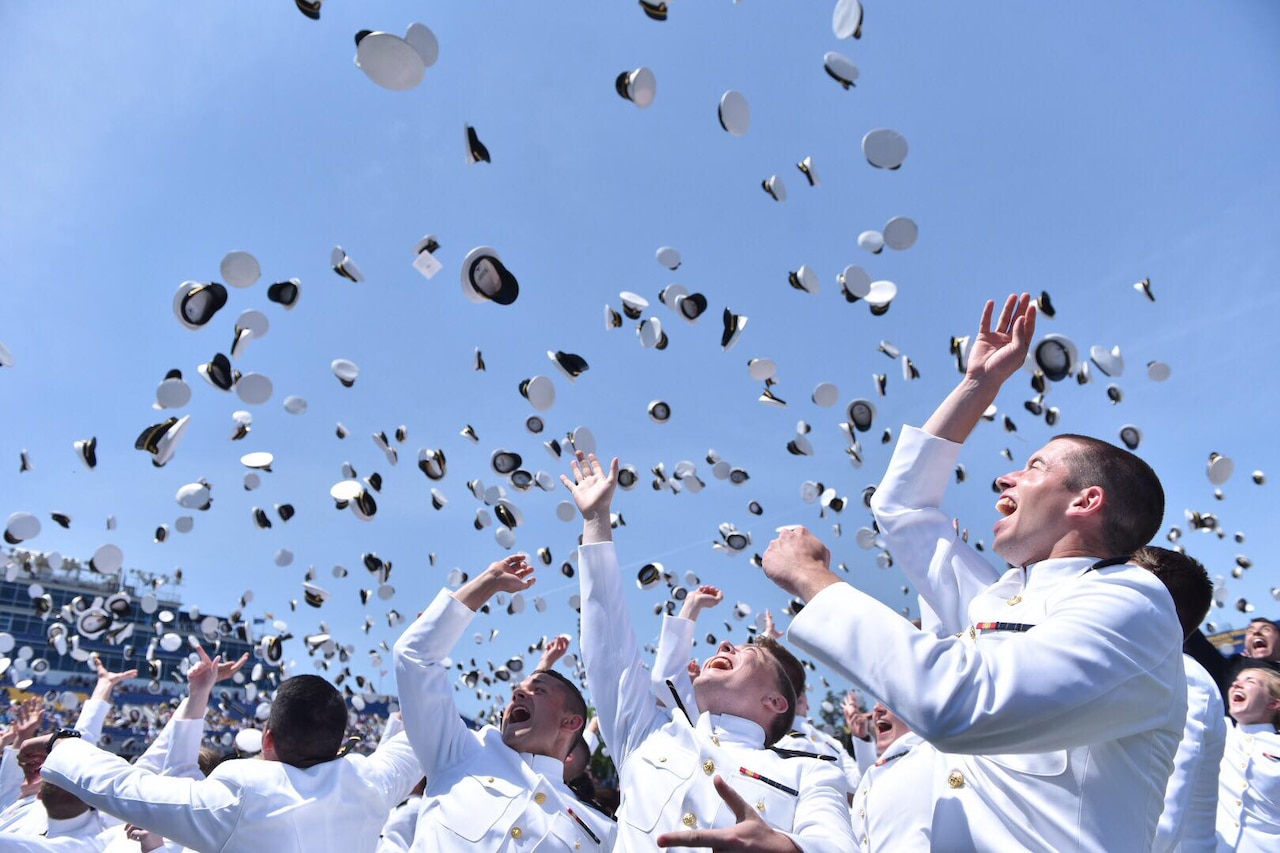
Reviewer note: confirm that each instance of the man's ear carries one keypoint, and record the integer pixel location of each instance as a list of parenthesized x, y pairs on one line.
[(269, 745), (572, 723), (1089, 501), (775, 702)]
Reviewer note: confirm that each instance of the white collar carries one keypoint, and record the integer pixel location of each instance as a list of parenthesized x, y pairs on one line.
[(727, 728), (552, 769), (71, 826)]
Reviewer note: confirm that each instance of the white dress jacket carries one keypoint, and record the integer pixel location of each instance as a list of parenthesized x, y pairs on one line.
[(481, 794), (1056, 734), (247, 805), (666, 762)]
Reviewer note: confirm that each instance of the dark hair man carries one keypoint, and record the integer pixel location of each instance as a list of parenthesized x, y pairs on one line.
[(487, 787), (303, 798), (1059, 703), (694, 779)]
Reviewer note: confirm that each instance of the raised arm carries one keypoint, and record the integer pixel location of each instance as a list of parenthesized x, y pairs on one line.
[(94, 712), (199, 815), (997, 353), (554, 649), (673, 660), (176, 750), (1108, 643), (616, 677), (436, 731)]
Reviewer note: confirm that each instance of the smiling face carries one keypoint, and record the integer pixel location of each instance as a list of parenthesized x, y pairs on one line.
[(888, 727), (745, 681), (538, 719), (1254, 697), (1262, 641), (1033, 506)]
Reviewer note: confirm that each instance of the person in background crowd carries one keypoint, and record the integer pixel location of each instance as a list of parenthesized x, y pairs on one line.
[(1249, 777), (1191, 797)]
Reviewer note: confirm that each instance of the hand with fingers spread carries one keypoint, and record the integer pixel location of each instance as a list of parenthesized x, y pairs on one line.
[(592, 487), (553, 650), (28, 715), (750, 833), (700, 599), (858, 723), (202, 676), (510, 574), (107, 681), (998, 351)]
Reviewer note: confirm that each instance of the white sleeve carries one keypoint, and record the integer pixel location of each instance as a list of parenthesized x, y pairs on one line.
[(431, 719), (675, 645), (616, 676), (10, 778), (921, 539), (864, 752), (153, 759), (393, 769), (1191, 798), (93, 713), (822, 821), (195, 814), (1109, 638), (398, 831), (395, 725), (592, 739)]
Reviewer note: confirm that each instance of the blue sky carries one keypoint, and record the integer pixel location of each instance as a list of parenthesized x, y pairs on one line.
[(1070, 148)]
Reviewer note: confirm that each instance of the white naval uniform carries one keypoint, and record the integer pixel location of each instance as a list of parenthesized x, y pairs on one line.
[(666, 762), (1060, 737), (675, 645), (397, 832), (26, 815), (1191, 799), (249, 805), (174, 752), (80, 834), (893, 805), (1249, 790), (481, 794)]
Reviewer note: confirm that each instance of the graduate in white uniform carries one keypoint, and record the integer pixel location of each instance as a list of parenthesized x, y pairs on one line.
[(1191, 797), (1249, 778), (894, 800), (694, 780), (1058, 705), (301, 797), (675, 644), (498, 788), (24, 815)]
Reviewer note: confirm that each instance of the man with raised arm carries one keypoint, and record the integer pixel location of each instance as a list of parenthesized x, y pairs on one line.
[(1059, 704), (302, 798), (498, 789), (692, 779)]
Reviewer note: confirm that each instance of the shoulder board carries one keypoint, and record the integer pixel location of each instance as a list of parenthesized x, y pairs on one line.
[(797, 753), (586, 801)]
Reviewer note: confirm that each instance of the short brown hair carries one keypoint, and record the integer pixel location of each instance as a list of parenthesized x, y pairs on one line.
[(1133, 491), (573, 703), (784, 664), (1186, 580)]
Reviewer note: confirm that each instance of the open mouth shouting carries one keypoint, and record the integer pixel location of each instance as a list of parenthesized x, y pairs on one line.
[(517, 714), (1006, 505), (721, 662)]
